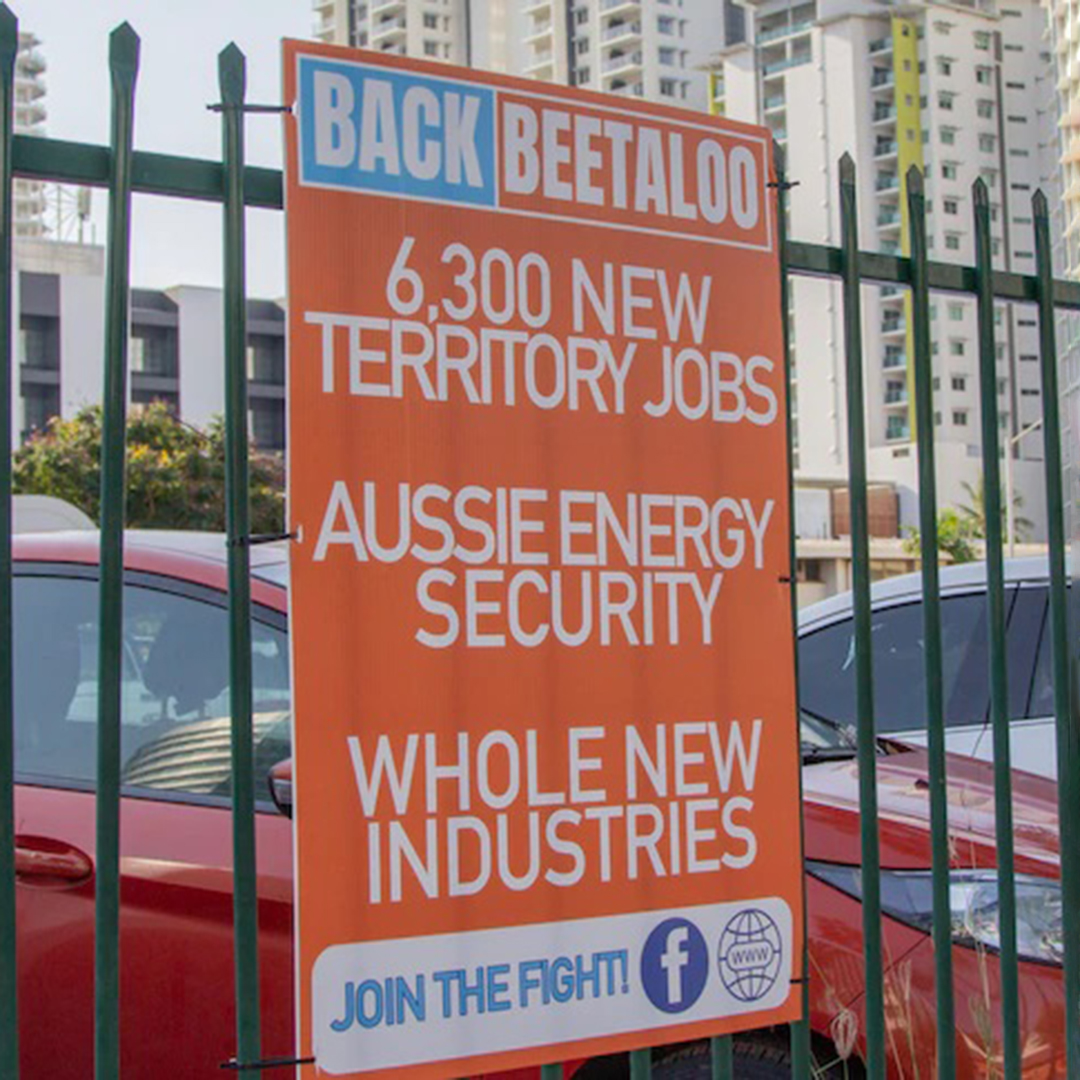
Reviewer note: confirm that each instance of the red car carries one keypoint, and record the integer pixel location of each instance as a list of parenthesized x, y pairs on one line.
[(176, 925)]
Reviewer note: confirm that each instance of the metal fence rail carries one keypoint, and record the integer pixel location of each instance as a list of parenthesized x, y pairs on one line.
[(124, 171)]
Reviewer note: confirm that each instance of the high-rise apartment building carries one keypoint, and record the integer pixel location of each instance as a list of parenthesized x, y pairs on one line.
[(645, 48), (29, 120), (1063, 17), (962, 91), (454, 31)]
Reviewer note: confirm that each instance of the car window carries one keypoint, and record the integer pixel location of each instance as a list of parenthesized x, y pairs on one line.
[(827, 666), (175, 716), (1025, 630), (1041, 702)]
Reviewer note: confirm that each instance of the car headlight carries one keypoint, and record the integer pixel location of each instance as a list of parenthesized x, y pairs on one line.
[(907, 895)]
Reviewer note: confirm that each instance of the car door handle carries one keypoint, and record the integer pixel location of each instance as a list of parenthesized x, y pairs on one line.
[(42, 860)]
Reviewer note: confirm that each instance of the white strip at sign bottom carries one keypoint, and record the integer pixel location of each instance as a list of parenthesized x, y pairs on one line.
[(409, 1001)]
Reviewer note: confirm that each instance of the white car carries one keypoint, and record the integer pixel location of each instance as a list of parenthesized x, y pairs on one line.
[(827, 662)]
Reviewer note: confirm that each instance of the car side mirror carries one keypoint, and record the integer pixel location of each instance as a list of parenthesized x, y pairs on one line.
[(280, 780)]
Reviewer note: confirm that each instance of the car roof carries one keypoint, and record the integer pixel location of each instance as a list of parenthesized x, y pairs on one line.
[(909, 586), (200, 556)]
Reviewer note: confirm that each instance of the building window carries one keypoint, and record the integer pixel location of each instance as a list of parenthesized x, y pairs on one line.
[(948, 136), (956, 347), (948, 170), (169, 398), (950, 206), (40, 403), (959, 417), (983, 75), (431, 21), (431, 48), (956, 311), (668, 55), (959, 383), (945, 100), (581, 15), (581, 76), (952, 242), (582, 46), (985, 108), (39, 342), (153, 350), (667, 87), (944, 65), (266, 359), (987, 143), (982, 40), (268, 423), (666, 24)]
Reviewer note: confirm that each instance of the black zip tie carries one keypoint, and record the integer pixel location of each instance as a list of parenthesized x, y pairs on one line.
[(222, 107), (261, 538), (785, 185), (232, 1065)]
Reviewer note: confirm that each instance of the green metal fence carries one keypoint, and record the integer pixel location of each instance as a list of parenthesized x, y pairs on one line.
[(124, 171)]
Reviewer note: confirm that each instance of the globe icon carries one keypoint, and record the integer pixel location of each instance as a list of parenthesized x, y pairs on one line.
[(750, 954)]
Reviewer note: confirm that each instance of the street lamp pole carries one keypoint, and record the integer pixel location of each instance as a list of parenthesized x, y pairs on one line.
[(1010, 509)]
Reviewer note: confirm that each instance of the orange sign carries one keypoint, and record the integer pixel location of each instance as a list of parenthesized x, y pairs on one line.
[(546, 751)]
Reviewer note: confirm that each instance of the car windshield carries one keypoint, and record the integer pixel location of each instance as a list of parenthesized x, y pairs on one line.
[(819, 733)]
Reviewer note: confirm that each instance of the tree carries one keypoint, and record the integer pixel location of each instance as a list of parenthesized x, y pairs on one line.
[(955, 538), (974, 513), (175, 472)]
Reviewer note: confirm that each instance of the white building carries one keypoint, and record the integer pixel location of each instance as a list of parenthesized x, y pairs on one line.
[(1063, 17), (646, 48), (176, 352), (962, 91), (29, 120), (432, 29)]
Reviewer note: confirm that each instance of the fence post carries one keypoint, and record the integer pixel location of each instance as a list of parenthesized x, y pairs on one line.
[(922, 365), (232, 78), (864, 675), (799, 1030), (1068, 745), (123, 67), (9, 1013), (995, 598)]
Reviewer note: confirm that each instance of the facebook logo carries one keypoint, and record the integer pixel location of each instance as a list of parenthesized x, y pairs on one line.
[(674, 965)]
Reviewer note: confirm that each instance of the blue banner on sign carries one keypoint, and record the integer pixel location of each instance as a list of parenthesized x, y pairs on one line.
[(374, 129)]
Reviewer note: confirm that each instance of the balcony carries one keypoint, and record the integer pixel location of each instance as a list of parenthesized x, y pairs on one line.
[(885, 148), (886, 182), (891, 292), (775, 101), (541, 61), (387, 6), (896, 395), (896, 427), (624, 62), (881, 79), (893, 326), (633, 89), (542, 28), (888, 218), (620, 31), (880, 47), (388, 31), (894, 360), (609, 7), (883, 113)]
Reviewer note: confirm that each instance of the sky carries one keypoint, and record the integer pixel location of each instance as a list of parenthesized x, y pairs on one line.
[(173, 241)]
